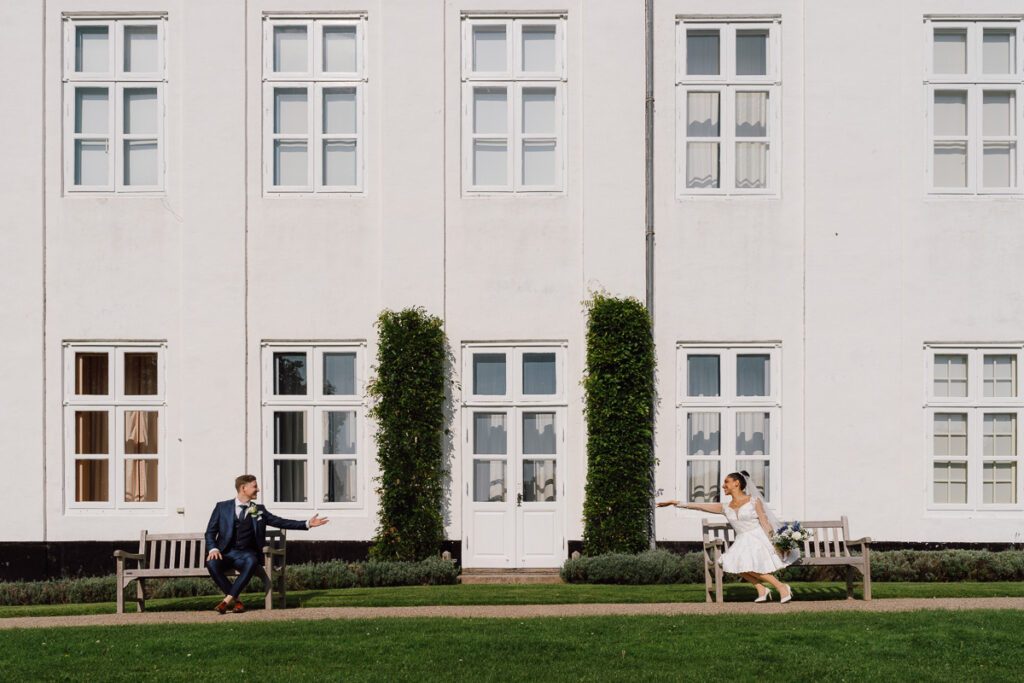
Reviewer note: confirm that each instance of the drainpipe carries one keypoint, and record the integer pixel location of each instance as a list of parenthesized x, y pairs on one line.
[(649, 205)]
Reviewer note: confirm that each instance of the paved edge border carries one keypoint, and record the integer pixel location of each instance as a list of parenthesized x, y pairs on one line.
[(514, 611)]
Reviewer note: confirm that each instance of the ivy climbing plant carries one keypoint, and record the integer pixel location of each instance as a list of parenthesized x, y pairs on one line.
[(619, 392)]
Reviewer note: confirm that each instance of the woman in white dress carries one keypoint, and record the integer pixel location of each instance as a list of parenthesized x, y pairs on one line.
[(752, 554)]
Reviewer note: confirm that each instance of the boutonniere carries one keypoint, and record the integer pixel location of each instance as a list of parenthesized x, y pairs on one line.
[(254, 511)]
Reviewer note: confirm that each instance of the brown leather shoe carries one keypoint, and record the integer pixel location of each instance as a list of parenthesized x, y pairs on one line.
[(222, 607), (239, 607)]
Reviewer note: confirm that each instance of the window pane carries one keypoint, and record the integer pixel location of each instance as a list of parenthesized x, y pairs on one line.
[(339, 374), (341, 163), (91, 374), (92, 483), (141, 163), (489, 374), (753, 433), (539, 163), (340, 481), (290, 481), (950, 483), (702, 481), (92, 49), (140, 374), (950, 434), (289, 374), (951, 164), (950, 112), (999, 483), (141, 432), (490, 434), (998, 51), (141, 114), (489, 49), (1000, 164), (702, 164), (950, 375), (140, 480), (141, 49), (90, 163), (539, 111), (751, 53), (340, 49), (340, 111), (998, 112), (490, 111), (753, 374), (290, 50), (702, 53), (539, 373), (1000, 375), (490, 163), (704, 434), (91, 113), (1000, 435), (539, 485), (751, 114), (91, 436), (702, 375), (290, 432), (702, 115), (489, 481), (752, 165), (950, 51), (539, 49), (291, 114), (760, 471), (539, 434), (339, 432), (291, 166)]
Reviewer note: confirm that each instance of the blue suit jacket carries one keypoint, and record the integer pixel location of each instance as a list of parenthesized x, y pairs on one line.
[(220, 532)]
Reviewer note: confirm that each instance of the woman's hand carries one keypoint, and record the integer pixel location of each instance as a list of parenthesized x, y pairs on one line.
[(668, 503)]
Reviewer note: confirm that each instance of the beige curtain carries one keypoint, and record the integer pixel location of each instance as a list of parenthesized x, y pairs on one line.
[(141, 437), (91, 483), (91, 374)]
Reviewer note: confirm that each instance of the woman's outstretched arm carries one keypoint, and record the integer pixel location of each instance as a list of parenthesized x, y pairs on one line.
[(714, 508)]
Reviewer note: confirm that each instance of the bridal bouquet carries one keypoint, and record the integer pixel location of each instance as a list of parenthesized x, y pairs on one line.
[(789, 536)]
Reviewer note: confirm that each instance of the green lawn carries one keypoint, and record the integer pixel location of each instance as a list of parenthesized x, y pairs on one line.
[(914, 646), (539, 594)]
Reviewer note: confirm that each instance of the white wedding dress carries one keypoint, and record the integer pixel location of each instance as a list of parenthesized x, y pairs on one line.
[(752, 551)]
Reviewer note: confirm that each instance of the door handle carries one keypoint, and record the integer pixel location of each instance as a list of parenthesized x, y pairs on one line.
[(519, 500)]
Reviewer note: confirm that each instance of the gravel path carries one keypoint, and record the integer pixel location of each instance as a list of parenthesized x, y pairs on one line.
[(514, 611)]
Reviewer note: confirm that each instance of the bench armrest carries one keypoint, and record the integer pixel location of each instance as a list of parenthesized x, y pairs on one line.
[(125, 555), (860, 541), (714, 543), (267, 550)]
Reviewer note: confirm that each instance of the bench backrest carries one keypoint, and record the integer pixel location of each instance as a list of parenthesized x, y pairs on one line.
[(186, 551), (829, 537)]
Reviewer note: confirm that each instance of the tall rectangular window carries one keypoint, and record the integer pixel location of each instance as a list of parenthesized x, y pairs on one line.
[(972, 410), (728, 84), (514, 76), (314, 81), (115, 78), (314, 445), (114, 425), (729, 412), (974, 84)]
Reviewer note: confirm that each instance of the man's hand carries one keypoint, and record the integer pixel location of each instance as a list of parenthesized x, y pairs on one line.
[(214, 555), (317, 520)]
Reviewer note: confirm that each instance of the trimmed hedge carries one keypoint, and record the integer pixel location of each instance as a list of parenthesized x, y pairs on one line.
[(410, 391), (433, 571), (662, 566), (619, 391)]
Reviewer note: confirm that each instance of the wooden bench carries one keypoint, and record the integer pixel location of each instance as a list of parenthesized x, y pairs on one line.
[(174, 556), (830, 546)]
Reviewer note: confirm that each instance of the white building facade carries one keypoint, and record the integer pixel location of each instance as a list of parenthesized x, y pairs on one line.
[(208, 205)]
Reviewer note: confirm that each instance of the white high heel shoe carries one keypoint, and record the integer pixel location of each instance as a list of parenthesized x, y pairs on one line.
[(764, 597), (789, 594)]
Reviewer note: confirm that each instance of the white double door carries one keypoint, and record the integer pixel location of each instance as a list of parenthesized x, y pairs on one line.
[(514, 487)]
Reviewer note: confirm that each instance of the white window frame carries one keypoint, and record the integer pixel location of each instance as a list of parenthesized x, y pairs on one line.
[(975, 406), (514, 352), (975, 83), (514, 80), (727, 84), (727, 404), (115, 404), (116, 80), (315, 403), (315, 80)]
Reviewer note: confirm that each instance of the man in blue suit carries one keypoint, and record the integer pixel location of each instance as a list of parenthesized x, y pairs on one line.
[(235, 538)]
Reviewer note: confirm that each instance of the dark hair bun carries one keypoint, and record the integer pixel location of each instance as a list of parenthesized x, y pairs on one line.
[(745, 473)]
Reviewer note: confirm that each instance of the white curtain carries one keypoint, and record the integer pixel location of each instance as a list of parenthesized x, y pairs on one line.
[(490, 435), (340, 476), (539, 434), (702, 164), (702, 52), (704, 433), (702, 477), (702, 376), (753, 375), (538, 481), (751, 114), (489, 481), (752, 433)]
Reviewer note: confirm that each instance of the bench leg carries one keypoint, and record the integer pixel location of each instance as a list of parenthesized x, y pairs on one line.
[(140, 595), (718, 582), (119, 588), (284, 585), (867, 581), (849, 582)]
